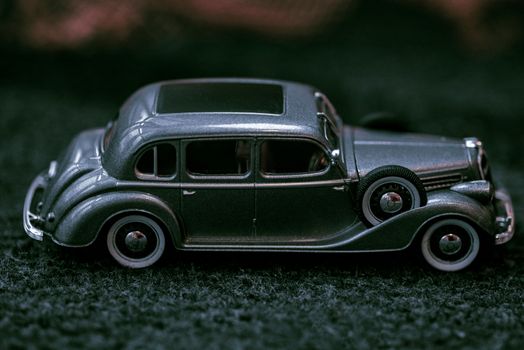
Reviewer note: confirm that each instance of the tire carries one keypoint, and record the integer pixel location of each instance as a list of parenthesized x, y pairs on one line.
[(136, 241), (388, 191), (436, 250)]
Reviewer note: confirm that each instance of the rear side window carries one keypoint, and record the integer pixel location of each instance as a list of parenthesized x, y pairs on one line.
[(157, 162), (218, 157), (291, 157)]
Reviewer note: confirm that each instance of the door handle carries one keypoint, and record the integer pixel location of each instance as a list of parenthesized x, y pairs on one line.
[(339, 188), (188, 192)]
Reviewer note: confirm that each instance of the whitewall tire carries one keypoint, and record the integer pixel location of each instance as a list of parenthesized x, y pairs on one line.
[(450, 245), (136, 241)]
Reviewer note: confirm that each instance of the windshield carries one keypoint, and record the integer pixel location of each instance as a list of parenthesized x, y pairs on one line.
[(328, 115), (331, 135), (325, 107)]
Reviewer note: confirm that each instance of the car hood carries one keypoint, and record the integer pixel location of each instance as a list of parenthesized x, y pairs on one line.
[(426, 155)]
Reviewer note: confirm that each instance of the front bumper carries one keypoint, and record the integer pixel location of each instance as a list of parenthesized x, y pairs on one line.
[(506, 221), (31, 218)]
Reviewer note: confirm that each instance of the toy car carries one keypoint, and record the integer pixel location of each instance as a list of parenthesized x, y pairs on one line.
[(263, 165)]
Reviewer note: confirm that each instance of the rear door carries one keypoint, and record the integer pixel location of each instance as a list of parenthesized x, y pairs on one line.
[(217, 190)]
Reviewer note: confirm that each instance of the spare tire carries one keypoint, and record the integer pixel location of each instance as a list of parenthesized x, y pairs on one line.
[(388, 191)]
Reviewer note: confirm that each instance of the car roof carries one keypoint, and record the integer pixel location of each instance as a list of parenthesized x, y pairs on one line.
[(140, 124), (298, 113)]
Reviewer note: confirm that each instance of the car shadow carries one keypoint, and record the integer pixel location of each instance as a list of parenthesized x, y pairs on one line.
[(380, 263)]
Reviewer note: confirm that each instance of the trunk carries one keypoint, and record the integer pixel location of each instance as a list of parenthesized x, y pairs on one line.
[(81, 157)]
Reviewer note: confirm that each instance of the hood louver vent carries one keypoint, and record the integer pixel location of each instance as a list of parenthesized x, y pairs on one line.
[(443, 181)]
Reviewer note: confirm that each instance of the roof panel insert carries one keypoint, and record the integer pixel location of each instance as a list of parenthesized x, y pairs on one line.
[(221, 97)]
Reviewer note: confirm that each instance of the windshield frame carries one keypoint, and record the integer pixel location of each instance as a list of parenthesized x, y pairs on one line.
[(330, 119)]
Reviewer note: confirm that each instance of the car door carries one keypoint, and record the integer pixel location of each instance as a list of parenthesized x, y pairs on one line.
[(301, 198), (217, 190)]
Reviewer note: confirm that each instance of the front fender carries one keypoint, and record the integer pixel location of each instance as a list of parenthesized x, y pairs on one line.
[(81, 226), (399, 232)]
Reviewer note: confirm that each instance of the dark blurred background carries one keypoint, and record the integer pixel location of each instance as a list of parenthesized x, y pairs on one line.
[(450, 67)]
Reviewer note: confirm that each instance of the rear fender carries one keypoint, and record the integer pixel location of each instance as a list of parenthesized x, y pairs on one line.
[(82, 225)]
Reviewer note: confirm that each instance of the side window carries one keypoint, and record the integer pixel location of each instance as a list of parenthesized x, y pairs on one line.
[(218, 157), (157, 163), (291, 157), (146, 163)]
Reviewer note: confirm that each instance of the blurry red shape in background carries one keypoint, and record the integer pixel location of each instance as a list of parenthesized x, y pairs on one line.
[(75, 23)]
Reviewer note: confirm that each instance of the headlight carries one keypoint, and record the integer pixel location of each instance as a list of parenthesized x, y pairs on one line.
[(480, 190)]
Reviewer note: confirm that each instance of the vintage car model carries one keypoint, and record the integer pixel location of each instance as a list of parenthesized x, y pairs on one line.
[(263, 165)]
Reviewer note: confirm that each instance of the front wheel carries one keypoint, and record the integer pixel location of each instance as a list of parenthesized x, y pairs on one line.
[(450, 245), (136, 241)]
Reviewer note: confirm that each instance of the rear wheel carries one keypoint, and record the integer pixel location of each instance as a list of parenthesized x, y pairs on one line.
[(450, 245), (136, 241)]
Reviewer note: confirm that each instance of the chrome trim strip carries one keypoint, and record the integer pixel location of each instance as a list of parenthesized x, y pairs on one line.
[(280, 249), (325, 247), (126, 184), (301, 184), (131, 184), (507, 222), (250, 185), (296, 176), (31, 230), (406, 143), (440, 177)]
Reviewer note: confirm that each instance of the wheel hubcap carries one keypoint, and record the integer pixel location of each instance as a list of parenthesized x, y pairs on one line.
[(136, 241), (391, 202), (450, 244)]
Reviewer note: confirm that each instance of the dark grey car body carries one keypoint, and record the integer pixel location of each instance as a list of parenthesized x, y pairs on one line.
[(96, 180)]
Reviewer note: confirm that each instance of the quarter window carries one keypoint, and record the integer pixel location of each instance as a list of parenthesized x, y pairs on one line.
[(218, 157), (157, 162), (291, 157)]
